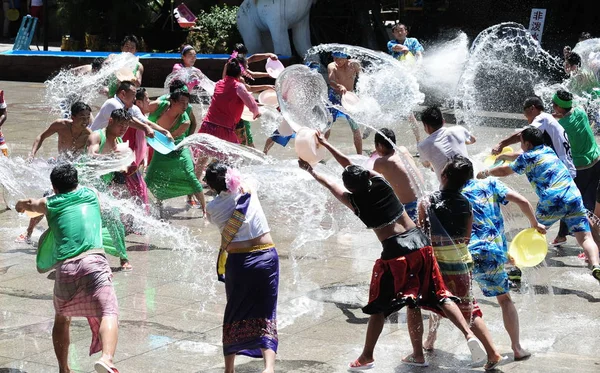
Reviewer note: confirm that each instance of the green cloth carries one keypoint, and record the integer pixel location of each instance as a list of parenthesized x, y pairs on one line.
[(172, 175), (107, 178), (583, 144), (188, 111), (113, 233), (75, 224)]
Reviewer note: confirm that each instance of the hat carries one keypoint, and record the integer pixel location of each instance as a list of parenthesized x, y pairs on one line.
[(340, 55)]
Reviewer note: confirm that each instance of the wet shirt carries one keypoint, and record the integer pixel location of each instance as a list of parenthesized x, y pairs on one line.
[(442, 145), (584, 148), (412, 44), (549, 177), (556, 138), (449, 213), (487, 237)]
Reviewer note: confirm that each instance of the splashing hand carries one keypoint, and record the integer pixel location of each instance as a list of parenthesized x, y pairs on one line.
[(497, 149), (321, 138), (304, 165)]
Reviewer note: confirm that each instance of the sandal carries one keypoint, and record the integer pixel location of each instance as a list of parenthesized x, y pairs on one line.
[(101, 367), (556, 242), (492, 365), (125, 265), (410, 360), (356, 366), (24, 238)]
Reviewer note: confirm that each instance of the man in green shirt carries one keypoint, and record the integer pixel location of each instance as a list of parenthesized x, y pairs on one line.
[(83, 285), (584, 149)]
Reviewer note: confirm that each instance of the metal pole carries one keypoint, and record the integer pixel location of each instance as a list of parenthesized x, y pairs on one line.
[(45, 16)]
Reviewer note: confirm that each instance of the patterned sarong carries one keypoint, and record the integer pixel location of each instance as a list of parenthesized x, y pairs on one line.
[(84, 288), (251, 285)]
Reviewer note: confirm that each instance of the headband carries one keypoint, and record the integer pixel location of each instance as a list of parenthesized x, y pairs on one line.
[(339, 55), (186, 48), (233, 57), (565, 104)]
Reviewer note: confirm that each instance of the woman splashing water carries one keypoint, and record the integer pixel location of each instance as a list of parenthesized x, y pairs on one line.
[(249, 265)]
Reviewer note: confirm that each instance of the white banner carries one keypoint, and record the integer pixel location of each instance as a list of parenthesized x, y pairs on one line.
[(536, 23)]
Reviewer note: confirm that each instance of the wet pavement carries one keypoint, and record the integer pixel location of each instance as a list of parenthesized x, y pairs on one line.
[(171, 308)]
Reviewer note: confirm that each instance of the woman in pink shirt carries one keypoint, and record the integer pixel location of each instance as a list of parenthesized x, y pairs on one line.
[(228, 103)]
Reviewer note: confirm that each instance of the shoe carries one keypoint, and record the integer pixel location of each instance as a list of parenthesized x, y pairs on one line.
[(193, 204), (515, 275), (356, 366), (24, 238), (596, 272)]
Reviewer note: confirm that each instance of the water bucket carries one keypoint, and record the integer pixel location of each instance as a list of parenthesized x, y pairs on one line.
[(285, 129), (274, 68), (307, 147), (247, 115), (490, 161), (350, 101), (528, 248), (161, 143), (268, 97)]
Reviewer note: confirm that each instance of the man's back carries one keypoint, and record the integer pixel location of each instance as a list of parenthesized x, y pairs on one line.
[(557, 138), (442, 145), (393, 168), (101, 120), (75, 221)]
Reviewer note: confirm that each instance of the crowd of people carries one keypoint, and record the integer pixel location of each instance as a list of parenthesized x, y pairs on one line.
[(432, 247)]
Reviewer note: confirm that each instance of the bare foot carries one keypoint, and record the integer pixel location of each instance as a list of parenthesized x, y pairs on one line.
[(125, 265), (268, 371), (521, 354), (428, 344)]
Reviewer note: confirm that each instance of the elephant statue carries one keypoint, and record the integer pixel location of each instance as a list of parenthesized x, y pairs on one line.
[(264, 25)]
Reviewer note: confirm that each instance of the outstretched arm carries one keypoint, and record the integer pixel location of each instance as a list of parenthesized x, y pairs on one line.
[(261, 56), (339, 157), (496, 171), (527, 210), (33, 205), (337, 190), (37, 143), (512, 139)]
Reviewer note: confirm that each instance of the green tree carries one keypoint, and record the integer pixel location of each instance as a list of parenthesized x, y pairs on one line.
[(216, 30)]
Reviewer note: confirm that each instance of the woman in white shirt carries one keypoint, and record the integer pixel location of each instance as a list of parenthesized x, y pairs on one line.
[(249, 266)]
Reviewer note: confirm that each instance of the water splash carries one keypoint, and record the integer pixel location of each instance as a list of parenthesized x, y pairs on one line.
[(505, 65), (67, 87)]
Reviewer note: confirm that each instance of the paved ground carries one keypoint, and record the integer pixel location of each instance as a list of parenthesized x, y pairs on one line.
[(171, 307)]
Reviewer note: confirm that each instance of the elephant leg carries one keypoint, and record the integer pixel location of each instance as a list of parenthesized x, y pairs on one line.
[(301, 36), (246, 23), (281, 39)]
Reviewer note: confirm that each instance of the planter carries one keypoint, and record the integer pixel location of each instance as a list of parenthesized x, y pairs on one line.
[(69, 44), (93, 42)]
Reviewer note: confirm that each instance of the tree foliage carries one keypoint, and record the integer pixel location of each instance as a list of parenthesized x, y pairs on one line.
[(216, 30)]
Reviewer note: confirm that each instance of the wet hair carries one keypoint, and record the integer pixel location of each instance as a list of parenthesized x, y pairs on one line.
[(532, 135), (97, 64), (565, 96), (585, 36), (240, 48), (120, 115), (176, 85), (432, 116), (534, 101), (130, 38), (356, 178), (64, 178), (234, 66), (457, 171), (380, 140), (140, 93), (398, 25), (177, 94), (78, 107), (215, 176), (574, 59), (125, 86)]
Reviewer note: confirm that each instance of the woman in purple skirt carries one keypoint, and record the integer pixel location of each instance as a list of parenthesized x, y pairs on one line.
[(249, 266)]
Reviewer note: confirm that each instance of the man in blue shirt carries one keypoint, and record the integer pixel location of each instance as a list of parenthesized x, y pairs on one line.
[(402, 45)]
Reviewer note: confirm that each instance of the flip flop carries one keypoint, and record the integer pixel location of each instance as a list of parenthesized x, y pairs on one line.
[(493, 365), (477, 352), (410, 360), (524, 357), (557, 243), (356, 366), (101, 367)]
